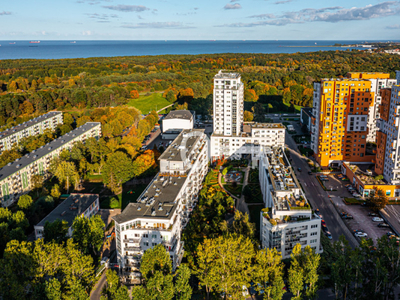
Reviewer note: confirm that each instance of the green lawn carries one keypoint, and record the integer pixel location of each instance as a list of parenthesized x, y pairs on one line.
[(147, 103)]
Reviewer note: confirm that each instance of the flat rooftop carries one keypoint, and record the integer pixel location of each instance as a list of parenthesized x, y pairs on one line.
[(360, 170), (179, 114), (27, 124), (30, 158), (267, 125), (182, 146), (70, 208), (226, 75), (156, 202)]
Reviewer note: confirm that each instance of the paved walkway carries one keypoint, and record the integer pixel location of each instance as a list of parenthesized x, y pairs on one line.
[(96, 291)]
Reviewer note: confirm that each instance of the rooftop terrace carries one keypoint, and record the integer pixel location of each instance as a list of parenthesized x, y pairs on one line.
[(226, 74)]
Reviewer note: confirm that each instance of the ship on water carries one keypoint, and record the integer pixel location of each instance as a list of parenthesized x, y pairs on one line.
[(34, 42), (13, 43)]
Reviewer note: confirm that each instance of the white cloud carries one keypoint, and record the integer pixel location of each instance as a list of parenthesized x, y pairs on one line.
[(127, 8), (395, 26), (5, 13), (158, 25), (233, 6)]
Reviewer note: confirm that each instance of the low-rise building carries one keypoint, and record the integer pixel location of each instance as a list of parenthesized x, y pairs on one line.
[(15, 177), (177, 120), (164, 207), (251, 139), (85, 205), (306, 117), (289, 219), (35, 126)]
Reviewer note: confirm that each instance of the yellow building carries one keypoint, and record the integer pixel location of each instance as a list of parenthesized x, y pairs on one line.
[(339, 131), (368, 75)]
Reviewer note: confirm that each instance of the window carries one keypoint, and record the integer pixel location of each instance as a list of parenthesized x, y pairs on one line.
[(154, 236), (313, 241), (313, 233), (388, 192), (146, 244), (154, 244)]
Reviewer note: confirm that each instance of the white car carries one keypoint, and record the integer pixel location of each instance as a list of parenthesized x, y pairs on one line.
[(361, 234), (376, 219)]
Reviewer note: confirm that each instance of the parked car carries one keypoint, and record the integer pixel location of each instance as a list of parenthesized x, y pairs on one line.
[(383, 225), (376, 219), (372, 214), (299, 169), (361, 234), (310, 173), (317, 211), (323, 222), (328, 234), (347, 216), (389, 233)]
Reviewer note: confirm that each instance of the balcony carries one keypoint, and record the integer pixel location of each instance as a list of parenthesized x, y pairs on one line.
[(136, 241)]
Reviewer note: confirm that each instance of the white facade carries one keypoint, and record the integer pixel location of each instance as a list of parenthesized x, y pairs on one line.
[(163, 209), (228, 100), (294, 222), (391, 170), (15, 178), (316, 113), (32, 127), (373, 115), (260, 135), (177, 120)]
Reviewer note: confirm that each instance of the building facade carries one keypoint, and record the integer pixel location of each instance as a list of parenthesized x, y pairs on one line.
[(32, 127), (339, 128), (228, 100), (289, 219), (379, 81), (84, 205), (15, 178), (164, 207), (306, 117), (177, 120)]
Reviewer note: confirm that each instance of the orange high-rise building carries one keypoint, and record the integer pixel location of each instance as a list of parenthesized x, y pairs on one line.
[(339, 131)]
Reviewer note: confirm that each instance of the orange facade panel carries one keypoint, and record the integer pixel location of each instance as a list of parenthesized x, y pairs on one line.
[(385, 104), (368, 75)]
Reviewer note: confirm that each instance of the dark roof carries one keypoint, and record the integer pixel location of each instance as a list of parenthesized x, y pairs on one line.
[(182, 144), (179, 114), (73, 206), (161, 192), (27, 124), (26, 160)]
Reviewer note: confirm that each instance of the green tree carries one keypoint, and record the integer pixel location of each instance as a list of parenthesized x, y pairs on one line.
[(268, 273), (56, 231), (241, 225), (183, 290), (53, 289), (55, 191), (114, 289), (25, 202), (88, 234), (66, 173), (296, 274), (117, 170), (37, 182), (18, 219), (155, 259)]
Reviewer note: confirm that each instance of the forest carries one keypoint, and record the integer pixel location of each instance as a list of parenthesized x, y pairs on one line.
[(275, 80)]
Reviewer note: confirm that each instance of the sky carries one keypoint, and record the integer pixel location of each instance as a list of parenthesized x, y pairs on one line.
[(199, 20)]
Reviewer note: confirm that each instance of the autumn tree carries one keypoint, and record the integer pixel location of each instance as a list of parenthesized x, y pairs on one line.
[(66, 173), (25, 202), (248, 116), (378, 198), (250, 95), (134, 94)]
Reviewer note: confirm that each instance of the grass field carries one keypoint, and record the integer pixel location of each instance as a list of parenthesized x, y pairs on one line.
[(147, 103)]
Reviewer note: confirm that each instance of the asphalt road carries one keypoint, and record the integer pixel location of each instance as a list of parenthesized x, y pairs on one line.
[(96, 294), (317, 196)]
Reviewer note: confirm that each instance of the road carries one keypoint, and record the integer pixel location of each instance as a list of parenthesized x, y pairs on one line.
[(96, 294), (317, 196)]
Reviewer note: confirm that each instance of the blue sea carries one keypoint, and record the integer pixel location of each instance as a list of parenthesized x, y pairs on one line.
[(84, 49)]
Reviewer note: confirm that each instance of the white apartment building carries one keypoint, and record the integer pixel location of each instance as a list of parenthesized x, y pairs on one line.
[(316, 112), (228, 100), (36, 126), (373, 116), (15, 178), (390, 128), (175, 122), (253, 138), (164, 207), (231, 137), (85, 205), (290, 220)]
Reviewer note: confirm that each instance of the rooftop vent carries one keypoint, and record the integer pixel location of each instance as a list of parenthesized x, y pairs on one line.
[(34, 156), (167, 213), (175, 183), (50, 148), (18, 165), (153, 212), (63, 213), (9, 164), (139, 208)]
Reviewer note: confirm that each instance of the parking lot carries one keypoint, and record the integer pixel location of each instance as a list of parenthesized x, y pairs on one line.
[(357, 215)]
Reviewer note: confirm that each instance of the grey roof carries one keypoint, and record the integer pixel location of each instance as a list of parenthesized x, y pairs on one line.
[(26, 160), (179, 114), (226, 75), (71, 207), (27, 124), (161, 192), (182, 144)]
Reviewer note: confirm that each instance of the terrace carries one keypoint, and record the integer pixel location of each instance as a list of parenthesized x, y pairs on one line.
[(365, 175)]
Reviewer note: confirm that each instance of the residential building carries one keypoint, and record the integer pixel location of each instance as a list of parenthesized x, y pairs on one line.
[(85, 205), (232, 137), (35, 126), (164, 207), (378, 81), (388, 152), (228, 100), (306, 117), (289, 219), (15, 177), (339, 130), (175, 122)]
